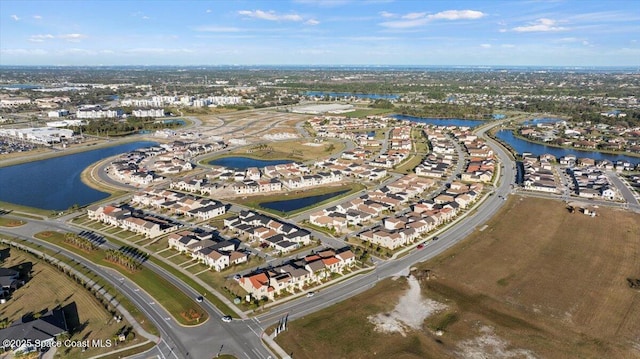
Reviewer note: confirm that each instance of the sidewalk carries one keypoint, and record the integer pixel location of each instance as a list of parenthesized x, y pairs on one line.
[(199, 281), (268, 339), (94, 286)]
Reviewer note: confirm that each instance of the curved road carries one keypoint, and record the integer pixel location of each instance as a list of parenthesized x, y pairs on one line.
[(242, 337)]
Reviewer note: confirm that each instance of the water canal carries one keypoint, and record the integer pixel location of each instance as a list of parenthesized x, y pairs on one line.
[(521, 146), (295, 204), (441, 121)]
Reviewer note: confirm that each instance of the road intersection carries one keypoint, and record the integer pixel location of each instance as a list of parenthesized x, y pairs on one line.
[(243, 338)]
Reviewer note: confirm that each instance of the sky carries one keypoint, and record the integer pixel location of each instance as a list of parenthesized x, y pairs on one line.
[(321, 32)]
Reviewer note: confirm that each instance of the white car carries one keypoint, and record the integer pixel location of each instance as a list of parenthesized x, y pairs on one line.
[(310, 294), (227, 319)]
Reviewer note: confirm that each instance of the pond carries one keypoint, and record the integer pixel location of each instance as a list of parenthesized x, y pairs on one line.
[(242, 163), (55, 183), (298, 203), (440, 121), (537, 149)]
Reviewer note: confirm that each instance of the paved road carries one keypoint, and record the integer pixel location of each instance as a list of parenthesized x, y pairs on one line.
[(624, 190), (350, 287), (242, 337), (177, 341)]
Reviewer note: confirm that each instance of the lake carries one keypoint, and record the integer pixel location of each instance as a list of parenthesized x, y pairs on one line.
[(298, 203), (55, 183), (242, 163), (441, 121), (537, 149), (373, 96)]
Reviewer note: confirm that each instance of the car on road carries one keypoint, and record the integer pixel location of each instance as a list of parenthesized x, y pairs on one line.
[(310, 294), (226, 319), (434, 238), (420, 246), (199, 299)]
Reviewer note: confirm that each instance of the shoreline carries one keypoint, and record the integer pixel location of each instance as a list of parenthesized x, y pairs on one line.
[(73, 150), (517, 135)]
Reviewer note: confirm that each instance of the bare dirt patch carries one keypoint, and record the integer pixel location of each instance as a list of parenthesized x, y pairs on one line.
[(410, 312), (538, 281)]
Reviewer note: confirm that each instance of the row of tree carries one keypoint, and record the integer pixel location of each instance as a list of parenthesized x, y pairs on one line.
[(75, 240), (123, 259)]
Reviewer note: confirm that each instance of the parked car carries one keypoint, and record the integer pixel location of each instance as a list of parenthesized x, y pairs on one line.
[(227, 319), (310, 294)]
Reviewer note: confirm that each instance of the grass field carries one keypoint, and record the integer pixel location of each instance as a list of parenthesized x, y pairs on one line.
[(9, 222), (178, 303), (420, 148), (362, 112), (295, 150), (49, 288), (536, 282)]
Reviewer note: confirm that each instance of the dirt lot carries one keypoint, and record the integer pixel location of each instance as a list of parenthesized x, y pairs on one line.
[(537, 282)]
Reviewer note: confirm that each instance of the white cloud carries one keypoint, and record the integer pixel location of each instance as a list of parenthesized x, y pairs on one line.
[(37, 17), (387, 14), (40, 38), (416, 19), (322, 3), (414, 15), (208, 11), (72, 37), (485, 46), (145, 17), (312, 22), (217, 29), (458, 15), (23, 52), (270, 15), (15, 17), (540, 25), (508, 46), (68, 37)]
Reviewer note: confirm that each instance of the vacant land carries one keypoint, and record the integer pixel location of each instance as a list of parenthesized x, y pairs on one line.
[(50, 288), (296, 150), (536, 282)]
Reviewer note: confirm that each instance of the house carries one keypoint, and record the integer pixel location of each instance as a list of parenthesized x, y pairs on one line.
[(8, 279), (21, 337), (258, 285)]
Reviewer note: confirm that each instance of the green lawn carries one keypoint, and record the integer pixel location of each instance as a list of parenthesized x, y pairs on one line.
[(9, 222), (123, 300), (178, 303)]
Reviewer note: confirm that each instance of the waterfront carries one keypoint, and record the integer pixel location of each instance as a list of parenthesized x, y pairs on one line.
[(299, 203), (55, 183), (372, 96), (440, 121), (520, 146), (242, 163)]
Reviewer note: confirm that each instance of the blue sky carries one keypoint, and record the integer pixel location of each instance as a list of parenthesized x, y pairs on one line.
[(320, 32)]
